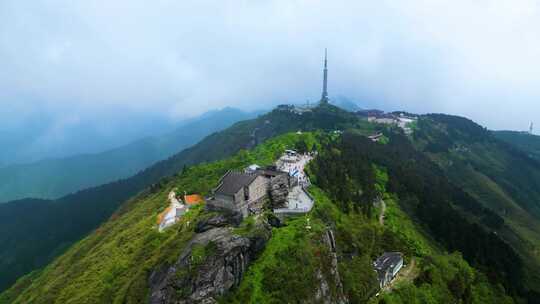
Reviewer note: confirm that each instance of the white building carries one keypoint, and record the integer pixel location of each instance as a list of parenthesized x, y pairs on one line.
[(387, 267)]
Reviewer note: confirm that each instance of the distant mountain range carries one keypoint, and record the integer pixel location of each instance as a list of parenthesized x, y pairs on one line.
[(37, 134), (53, 178)]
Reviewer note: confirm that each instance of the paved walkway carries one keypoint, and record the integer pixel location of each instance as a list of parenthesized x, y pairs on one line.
[(298, 199), (295, 168), (406, 274)]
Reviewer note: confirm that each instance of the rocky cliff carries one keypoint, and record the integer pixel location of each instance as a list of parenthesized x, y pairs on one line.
[(324, 294), (279, 190), (213, 263)]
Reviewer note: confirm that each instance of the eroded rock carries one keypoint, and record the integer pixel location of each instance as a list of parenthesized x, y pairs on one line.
[(216, 221), (211, 264)]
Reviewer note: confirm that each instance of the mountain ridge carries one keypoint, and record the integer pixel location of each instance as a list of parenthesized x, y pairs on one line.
[(53, 178), (524, 141)]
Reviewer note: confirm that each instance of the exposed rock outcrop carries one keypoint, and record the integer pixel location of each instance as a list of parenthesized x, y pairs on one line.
[(211, 264), (279, 190), (324, 293), (216, 221)]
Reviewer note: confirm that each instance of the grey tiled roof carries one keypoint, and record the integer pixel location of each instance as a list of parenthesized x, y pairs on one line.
[(233, 181), (387, 260), (270, 172)]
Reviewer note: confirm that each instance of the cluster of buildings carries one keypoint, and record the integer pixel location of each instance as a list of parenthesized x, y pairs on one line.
[(283, 184), (402, 120), (245, 192)]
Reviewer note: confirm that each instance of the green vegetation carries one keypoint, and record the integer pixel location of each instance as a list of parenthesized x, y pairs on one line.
[(297, 259), (384, 140), (526, 142), (413, 125), (381, 179), (445, 279), (50, 227), (426, 216), (499, 176), (345, 170), (438, 277), (51, 179), (285, 272), (287, 269), (112, 264), (408, 231)]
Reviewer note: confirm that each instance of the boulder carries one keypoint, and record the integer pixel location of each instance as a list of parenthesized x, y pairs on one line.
[(279, 190), (216, 221)]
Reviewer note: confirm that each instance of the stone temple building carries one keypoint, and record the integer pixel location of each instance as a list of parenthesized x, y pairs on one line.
[(239, 192), (245, 192)]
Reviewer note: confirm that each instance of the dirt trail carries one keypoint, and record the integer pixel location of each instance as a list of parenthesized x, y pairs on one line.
[(407, 274), (383, 210)]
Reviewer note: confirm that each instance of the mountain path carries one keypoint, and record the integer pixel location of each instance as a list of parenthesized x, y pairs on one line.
[(407, 274), (383, 210)]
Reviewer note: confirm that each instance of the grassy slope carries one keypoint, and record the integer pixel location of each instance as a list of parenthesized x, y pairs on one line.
[(112, 263)]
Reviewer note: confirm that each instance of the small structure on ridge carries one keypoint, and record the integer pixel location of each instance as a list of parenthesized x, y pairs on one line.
[(239, 192), (387, 267)]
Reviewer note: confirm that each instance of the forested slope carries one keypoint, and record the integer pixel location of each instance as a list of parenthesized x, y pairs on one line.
[(501, 177), (526, 142)]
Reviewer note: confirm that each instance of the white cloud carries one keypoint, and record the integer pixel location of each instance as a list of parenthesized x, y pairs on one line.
[(474, 58)]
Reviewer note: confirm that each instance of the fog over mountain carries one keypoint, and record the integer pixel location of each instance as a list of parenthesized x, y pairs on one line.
[(87, 65)]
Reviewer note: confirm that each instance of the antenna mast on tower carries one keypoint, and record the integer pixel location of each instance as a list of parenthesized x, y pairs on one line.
[(324, 97)]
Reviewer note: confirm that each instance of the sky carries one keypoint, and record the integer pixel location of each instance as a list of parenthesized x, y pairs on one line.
[(66, 64)]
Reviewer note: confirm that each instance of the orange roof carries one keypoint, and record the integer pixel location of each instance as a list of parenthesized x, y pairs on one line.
[(192, 199), (162, 214)]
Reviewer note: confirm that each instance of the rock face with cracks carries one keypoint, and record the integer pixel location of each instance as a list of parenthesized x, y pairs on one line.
[(279, 190), (211, 264), (323, 294)]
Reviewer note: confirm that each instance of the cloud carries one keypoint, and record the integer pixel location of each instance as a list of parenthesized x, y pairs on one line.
[(179, 58)]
